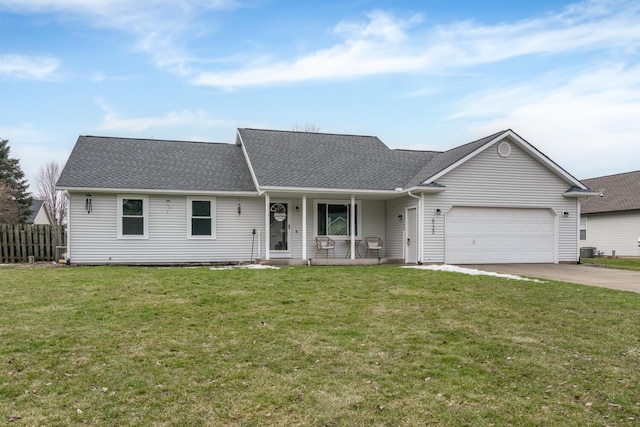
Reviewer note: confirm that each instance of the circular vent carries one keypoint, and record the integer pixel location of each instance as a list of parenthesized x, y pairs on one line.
[(504, 149)]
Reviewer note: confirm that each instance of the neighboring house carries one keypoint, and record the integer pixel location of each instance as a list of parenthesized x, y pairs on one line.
[(39, 213), (497, 199), (612, 222)]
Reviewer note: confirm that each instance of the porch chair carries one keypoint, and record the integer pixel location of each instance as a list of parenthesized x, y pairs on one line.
[(325, 244), (373, 244)]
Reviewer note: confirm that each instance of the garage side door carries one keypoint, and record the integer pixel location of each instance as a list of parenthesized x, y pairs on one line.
[(499, 235)]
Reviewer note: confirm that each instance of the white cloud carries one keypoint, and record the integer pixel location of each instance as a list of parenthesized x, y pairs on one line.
[(589, 124), (112, 121), (354, 57), (385, 44), (158, 26), (28, 67)]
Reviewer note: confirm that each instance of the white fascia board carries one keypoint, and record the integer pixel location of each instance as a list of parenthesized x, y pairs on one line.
[(319, 190), (423, 189), (308, 190), (550, 164), (581, 194), (246, 158), (155, 191)]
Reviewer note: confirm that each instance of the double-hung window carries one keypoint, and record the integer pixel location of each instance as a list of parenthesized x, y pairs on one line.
[(133, 217), (334, 219), (583, 228), (201, 218)]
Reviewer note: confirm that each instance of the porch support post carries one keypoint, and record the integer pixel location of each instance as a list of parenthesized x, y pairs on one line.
[(421, 225), (267, 226), (352, 243), (304, 227)]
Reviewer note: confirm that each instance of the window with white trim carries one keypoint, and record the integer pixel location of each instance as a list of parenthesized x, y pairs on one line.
[(201, 223), (133, 216), (583, 228), (333, 218)]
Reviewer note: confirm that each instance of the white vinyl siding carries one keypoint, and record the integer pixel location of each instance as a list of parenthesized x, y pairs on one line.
[(396, 238), (93, 238), (489, 180), (614, 232)]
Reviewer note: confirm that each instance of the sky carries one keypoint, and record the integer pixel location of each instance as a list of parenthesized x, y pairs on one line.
[(426, 75)]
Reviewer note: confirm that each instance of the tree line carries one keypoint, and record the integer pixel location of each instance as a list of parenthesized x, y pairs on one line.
[(16, 200)]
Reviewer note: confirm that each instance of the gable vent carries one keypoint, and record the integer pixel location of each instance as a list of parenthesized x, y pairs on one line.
[(504, 149)]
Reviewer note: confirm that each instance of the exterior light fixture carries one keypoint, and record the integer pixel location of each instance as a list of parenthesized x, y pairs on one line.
[(438, 211), (400, 217), (88, 204), (239, 209)]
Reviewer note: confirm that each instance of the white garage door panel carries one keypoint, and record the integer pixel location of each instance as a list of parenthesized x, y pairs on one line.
[(499, 235)]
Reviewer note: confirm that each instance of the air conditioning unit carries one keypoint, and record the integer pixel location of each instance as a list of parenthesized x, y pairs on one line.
[(588, 252)]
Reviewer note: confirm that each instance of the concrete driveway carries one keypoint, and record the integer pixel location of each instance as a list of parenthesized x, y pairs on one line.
[(584, 274)]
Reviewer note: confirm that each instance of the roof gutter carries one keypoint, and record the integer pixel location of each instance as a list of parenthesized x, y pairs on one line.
[(581, 194), (155, 191)]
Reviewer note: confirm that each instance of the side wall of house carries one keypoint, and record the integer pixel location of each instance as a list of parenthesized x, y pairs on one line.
[(614, 232), (489, 180), (93, 237), (396, 227)]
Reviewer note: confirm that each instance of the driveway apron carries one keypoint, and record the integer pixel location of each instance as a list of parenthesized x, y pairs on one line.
[(584, 274)]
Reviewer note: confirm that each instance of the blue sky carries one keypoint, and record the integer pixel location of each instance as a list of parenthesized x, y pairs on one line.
[(428, 74)]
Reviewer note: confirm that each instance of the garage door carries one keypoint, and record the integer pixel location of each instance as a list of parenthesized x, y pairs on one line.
[(499, 235)]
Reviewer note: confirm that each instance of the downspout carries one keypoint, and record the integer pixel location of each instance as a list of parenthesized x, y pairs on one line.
[(68, 231), (420, 222), (579, 210)]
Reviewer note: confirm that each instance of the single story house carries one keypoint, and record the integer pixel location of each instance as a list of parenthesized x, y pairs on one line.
[(271, 193), (40, 215), (611, 223)]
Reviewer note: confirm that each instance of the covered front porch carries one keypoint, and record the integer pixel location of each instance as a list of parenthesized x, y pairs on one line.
[(295, 222)]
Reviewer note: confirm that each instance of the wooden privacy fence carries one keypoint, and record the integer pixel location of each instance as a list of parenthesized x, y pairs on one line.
[(42, 242)]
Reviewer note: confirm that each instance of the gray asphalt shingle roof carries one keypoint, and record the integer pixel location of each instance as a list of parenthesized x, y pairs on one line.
[(621, 193), (126, 163), (35, 207), (281, 159), (320, 160)]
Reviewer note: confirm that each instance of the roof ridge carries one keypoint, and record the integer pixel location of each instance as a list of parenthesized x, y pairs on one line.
[(611, 175), (311, 133), (417, 151), (488, 137), (154, 139)]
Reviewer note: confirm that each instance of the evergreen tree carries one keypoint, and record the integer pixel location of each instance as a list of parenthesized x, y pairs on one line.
[(13, 179)]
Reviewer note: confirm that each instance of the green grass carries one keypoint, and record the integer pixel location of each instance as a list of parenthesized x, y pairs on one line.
[(620, 263), (332, 346)]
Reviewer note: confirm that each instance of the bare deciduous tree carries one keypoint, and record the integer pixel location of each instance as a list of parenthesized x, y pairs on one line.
[(9, 207), (55, 200), (307, 127)]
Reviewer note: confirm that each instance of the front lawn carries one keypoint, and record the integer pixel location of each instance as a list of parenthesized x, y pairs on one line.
[(621, 263), (325, 346)]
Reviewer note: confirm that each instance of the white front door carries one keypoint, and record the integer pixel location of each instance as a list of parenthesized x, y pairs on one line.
[(411, 231), (279, 226)]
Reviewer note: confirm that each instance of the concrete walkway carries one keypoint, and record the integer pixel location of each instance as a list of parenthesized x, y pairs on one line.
[(584, 274)]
